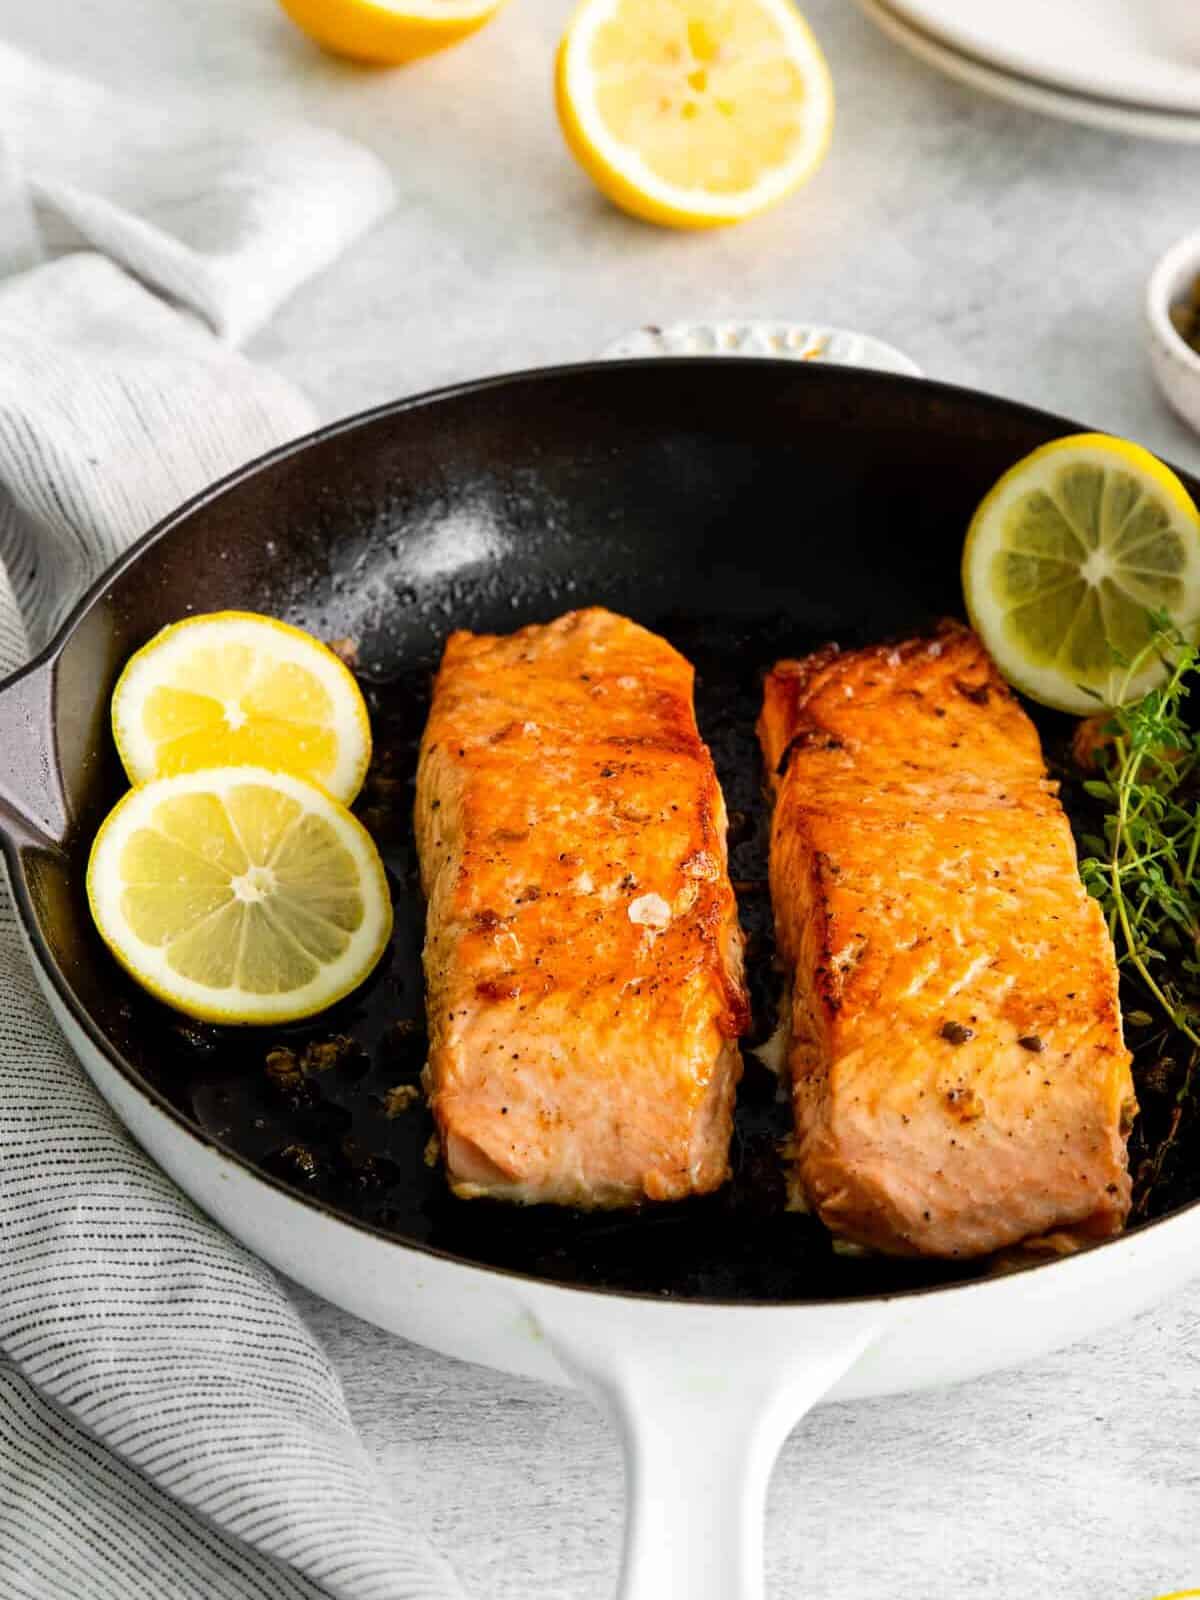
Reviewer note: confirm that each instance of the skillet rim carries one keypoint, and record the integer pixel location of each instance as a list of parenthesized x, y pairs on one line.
[(48, 657)]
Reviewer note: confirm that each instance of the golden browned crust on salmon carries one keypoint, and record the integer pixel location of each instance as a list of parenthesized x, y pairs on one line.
[(583, 960), (958, 1073)]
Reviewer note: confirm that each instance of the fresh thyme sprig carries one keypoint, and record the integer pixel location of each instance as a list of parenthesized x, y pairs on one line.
[(1143, 870)]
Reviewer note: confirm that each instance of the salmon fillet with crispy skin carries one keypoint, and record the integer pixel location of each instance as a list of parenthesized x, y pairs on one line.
[(583, 959), (958, 1074)]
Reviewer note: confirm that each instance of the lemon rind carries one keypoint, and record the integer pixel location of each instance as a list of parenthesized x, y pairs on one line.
[(383, 34)]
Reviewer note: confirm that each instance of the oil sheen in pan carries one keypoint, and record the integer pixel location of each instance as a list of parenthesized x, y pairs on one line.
[(333, 1107)]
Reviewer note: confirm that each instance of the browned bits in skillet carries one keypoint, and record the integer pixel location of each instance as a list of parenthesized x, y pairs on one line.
[(385, 789), (286, 1077), (298, 1164), (363, 1171), (1091, 740), (322, 1054), (283, 1070), (200, 1040), (956, 1032), (400, 1099), (291, 1075), (346, 650)]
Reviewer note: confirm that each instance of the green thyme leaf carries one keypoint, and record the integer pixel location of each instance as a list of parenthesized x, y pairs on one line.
[(1144, 870)]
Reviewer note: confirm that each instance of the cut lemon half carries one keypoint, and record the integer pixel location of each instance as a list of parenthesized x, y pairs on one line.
[(1067, 559), (694, 113), (389, 32), (239, 895), (234, 689)]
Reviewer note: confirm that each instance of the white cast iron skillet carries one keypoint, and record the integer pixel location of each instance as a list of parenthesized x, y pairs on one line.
[(747, 509)]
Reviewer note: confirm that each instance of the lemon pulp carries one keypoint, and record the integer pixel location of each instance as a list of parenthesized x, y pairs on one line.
[(236, 689), (694, 112), (239, 895)]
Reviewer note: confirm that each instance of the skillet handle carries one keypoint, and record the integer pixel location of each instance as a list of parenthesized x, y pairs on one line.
[(703, 1399), (33, 804)]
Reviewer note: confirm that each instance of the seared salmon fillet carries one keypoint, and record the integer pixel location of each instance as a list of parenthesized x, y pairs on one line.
[(583, 960), (958, 1074)]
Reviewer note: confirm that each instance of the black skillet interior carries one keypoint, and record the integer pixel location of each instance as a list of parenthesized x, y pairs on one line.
[(745, 510)]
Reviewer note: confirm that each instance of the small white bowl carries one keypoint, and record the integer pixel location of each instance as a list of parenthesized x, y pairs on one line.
[(1176, 367), (795, 341)]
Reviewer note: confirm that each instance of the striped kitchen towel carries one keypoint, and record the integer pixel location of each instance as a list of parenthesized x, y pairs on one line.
[(168, 1425)]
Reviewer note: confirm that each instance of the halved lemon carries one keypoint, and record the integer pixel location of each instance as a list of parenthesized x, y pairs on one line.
[(1067, 559), (694, 113), (234, 689), (239, 895), (389, 32)]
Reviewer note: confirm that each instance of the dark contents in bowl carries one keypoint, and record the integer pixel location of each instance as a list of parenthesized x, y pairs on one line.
[(1185, 317)]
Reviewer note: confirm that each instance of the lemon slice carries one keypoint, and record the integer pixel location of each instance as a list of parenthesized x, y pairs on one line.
[(234, 689), (239, 895), (694, 113), (389, 32), (1067, 558)]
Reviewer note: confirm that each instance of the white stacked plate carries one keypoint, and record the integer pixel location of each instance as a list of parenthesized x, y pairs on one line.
[(1132, 66)]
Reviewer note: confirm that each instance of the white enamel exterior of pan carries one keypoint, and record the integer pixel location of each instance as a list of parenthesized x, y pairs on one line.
[(703, 1394)]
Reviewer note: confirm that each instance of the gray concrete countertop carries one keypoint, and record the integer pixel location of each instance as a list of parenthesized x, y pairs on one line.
[(999, 249)]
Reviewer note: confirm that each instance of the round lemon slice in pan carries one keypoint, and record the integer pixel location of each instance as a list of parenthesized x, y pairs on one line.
[(232, 689), (1068, 560), (239, 895)]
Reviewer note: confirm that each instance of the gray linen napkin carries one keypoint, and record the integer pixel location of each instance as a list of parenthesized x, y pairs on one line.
[(168, 1425)]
